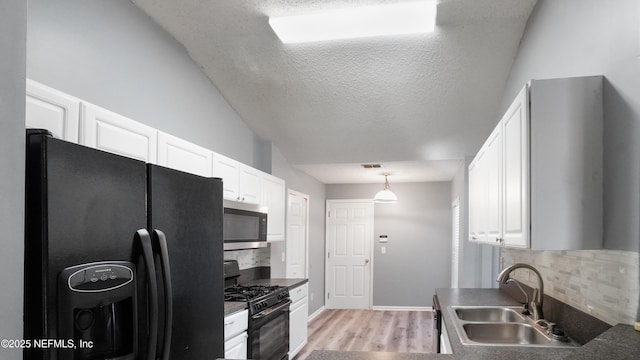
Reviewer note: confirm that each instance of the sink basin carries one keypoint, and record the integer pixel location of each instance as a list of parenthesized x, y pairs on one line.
[(489, 314), (506, 333), (500, 326)]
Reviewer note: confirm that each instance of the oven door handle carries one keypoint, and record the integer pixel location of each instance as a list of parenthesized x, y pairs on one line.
[(268, 312)]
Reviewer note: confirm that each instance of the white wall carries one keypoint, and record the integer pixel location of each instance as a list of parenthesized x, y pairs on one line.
[(13, 16), (110, 53), (565, 38), (418, 252), (299, 181)]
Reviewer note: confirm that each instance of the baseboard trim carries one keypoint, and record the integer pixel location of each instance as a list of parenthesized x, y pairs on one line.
[(316, 313), (403, 308)]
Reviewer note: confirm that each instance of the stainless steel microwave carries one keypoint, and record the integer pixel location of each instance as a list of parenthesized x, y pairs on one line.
[(244, 228)]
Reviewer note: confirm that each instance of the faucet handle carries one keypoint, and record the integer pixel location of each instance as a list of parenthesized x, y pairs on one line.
[(545, 325)]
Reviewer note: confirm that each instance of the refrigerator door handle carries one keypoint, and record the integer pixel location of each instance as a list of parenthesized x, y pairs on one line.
[(143, 239), (160, 246)]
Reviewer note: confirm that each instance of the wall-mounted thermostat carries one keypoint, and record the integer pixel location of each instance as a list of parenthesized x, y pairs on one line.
[(384, 238)]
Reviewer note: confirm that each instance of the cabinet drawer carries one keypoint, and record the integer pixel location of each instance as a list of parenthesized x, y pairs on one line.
[(236, 348), (299, 293), (235, 324)]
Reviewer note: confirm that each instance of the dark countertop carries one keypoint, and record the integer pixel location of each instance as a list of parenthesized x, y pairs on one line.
[(231, 307), (363, 355), (620, 342), (290, 283)]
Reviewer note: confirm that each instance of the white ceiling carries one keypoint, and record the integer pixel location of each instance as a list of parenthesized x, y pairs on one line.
[(403, 101)]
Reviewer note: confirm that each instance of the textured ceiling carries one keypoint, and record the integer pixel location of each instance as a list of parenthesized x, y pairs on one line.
[(409, 99)]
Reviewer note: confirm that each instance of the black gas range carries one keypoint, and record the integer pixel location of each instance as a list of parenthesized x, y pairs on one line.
[(268, 314), (257, 297)]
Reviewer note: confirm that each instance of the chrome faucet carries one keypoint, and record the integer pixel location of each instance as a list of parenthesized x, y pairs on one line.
[(536, 303), (525, 305)]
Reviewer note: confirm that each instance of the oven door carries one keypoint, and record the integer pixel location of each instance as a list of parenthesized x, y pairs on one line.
[(269, 333)]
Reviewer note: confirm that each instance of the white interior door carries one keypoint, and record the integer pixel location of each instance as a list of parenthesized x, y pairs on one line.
[(348, 259), (297, 217)]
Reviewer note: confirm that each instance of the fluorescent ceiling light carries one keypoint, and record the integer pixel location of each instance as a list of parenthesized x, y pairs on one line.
[(367, 21)]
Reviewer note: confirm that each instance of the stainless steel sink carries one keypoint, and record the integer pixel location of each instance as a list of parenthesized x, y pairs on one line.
[(489, 314), (500, 326), (505, 333)]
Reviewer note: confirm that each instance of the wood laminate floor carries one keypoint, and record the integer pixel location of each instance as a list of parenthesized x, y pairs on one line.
[(370, 330)]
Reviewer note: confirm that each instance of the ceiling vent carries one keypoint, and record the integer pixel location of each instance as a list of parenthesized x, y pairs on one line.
[(371, 166)]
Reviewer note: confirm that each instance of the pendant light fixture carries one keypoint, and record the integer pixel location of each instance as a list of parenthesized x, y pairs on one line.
[(385, 195)]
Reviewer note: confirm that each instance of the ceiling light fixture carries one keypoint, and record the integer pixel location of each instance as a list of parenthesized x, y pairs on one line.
[(385, 195), (366, 21)]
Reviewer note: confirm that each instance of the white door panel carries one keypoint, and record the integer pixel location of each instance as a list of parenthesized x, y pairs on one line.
[(297, 235), (105, 130), (179, 154), (229, 171), (50, 109), (349, 239)]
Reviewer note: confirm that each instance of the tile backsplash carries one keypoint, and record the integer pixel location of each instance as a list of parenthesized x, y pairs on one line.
[(602, 283), (250, 258)]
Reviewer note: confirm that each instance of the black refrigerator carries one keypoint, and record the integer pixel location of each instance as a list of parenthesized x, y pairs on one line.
[(123, 259)]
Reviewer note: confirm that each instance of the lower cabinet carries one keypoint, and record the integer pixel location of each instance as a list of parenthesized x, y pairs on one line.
[(235, 335), (298, 319), (236, 348)]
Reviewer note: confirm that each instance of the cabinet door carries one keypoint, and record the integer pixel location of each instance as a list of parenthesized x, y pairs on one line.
[(182, 155), (515, 224), (298, 325), (229, 171), (475, 207), (47, 108), (493, 174), (250, 185), (236, 348), (105, 130), (273, 198)]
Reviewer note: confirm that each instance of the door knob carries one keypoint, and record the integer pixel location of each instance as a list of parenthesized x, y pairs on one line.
[(366, 261)]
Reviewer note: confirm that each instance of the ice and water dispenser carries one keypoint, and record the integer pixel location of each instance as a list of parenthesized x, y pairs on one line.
[(97, 309)]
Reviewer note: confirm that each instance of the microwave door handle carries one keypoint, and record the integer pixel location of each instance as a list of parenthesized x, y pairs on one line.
[(160, 245), (144, 240)]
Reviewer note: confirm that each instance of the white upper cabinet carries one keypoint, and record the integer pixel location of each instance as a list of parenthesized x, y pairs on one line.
[(229, 171), (75, 120), (179, 154), (273, 198), (240, 182), (515, 165), (250, 185), (485, 183), (105, 130), (537, 181), (494, 192), (50, 109)]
